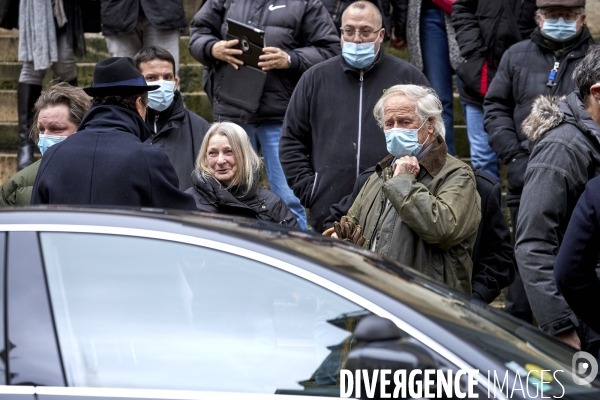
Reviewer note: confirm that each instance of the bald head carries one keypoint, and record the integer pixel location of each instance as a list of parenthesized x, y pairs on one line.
[(364, 7)]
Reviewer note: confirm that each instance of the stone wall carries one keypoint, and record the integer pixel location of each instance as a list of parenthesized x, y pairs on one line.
[(593, 17)]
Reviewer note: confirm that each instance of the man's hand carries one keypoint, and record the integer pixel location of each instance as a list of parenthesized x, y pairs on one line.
[(223, 51), (399, 43), (273, 58), (407, 164), (570, 338)]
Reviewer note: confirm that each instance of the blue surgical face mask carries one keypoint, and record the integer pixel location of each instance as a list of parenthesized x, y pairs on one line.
[(560, 30), (47, 141), (358, 55), (403, 142), (161, 98)]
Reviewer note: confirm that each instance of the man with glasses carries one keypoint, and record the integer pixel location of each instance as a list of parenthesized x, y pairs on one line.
[(542, 65), (329, 133)]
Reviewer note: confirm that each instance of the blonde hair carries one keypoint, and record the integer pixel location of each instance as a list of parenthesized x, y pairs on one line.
[(246, 159), (428, 105)]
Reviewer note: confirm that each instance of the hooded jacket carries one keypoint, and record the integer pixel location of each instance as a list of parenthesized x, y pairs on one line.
[(322, 153), (301, 28), (565, 156), (257, 203), (428, 222), (107, 164), (121, 16), (521, 78), (179, 132)]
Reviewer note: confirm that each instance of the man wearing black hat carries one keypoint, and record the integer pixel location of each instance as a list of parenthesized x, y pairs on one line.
[(542, 65), (106, 163)]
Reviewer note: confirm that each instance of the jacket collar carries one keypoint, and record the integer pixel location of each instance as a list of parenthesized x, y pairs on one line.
[(578, 46), (174, 111), (433, 161), (110, 116)]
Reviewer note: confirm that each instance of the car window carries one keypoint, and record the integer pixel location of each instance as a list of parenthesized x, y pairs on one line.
[(148, 313)]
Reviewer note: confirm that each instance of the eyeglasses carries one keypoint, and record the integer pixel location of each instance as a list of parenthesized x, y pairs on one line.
[(568, 16), (364, 33)]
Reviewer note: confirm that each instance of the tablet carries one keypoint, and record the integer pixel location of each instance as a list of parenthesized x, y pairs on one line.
[(252, 41)]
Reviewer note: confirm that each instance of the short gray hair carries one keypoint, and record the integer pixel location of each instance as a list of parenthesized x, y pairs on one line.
[(246, 158), (428, 105), (587, 72)]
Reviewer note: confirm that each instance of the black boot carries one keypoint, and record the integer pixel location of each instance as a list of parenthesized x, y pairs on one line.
[(26, 96)]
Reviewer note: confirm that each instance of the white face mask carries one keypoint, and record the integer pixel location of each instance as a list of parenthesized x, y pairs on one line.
[(161, 98)]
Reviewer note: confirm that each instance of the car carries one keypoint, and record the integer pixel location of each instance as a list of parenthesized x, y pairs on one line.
[(164, 304)]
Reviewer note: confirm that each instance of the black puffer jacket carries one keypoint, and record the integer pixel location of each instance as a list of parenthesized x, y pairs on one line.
[(302, 28), (121, 16), (484, 31), (180, 134), (521, 78), (258, 203)]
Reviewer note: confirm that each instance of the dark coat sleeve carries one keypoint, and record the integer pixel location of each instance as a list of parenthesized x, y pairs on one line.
[(493, 257), (320, 38), (164, 184), (205, 30), (575, 267), (279, 211), (295, 143), (399, 13), (466, 25), (337, 211), (499, 106)]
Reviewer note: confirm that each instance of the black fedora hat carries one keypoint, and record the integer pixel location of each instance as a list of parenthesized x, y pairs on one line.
[(118, 76)]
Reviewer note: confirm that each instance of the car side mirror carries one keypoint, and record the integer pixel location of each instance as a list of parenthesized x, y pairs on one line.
[(384, 346)]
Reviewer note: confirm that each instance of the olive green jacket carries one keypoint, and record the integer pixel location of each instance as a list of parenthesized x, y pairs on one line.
[(16, 191), (429, 222)]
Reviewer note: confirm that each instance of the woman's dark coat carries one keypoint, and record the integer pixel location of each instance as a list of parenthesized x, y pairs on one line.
[(257, 203)]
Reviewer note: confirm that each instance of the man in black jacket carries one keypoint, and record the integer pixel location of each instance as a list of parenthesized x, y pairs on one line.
[(330, 134), (175, 129), (544, 65), (105, 163), (493, 257), (297, 35), (129, 25), (484, 31)]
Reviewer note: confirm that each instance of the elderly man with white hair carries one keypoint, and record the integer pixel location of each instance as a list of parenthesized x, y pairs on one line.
[(421, 206)]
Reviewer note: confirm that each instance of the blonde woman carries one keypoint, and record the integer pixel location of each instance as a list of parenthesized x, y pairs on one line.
[(225, 179)]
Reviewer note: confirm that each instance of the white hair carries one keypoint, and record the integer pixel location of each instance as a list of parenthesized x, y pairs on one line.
[(428, 105)]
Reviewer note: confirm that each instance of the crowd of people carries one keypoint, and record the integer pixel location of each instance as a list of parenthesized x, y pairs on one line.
[(357, 144)]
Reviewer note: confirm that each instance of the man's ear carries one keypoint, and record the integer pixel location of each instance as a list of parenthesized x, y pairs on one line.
[(140, 107), (595, 90), (176, 83)]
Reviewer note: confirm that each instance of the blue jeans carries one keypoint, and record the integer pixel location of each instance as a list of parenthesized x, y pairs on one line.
[(436, 65), (268, 134), (482, 155)]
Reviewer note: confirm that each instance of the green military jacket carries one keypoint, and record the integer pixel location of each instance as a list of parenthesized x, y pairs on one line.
[(428, 222), (16, 191)]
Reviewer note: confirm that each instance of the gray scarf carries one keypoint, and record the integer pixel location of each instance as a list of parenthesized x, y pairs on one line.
[(37, 34)]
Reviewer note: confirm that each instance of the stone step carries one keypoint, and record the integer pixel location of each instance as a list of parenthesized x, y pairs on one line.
[(190, 75)]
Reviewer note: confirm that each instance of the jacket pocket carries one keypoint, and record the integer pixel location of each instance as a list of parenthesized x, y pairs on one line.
[(470, 71)]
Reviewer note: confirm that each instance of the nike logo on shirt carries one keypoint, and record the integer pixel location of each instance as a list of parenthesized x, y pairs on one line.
[(273, 8)]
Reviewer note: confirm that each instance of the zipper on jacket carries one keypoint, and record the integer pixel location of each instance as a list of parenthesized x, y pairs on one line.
[(360, 102), (155, 128), (312, 192), (552, 75), (383, 207)]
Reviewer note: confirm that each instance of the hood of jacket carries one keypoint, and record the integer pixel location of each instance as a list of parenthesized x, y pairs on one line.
[(550, 111), (110, 116)]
